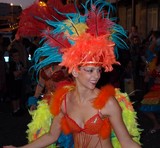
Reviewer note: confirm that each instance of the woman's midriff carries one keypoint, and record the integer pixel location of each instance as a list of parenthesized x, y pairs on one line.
[(83, 140)]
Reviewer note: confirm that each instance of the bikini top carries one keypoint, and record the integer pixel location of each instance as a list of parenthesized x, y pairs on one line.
[(129, 115), (92, 126)]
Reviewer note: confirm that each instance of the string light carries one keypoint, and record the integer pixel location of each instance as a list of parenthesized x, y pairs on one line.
[(43, 3)]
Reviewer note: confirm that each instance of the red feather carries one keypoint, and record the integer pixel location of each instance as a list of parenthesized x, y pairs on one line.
[(30, 25), (57, 40), (96, 24)]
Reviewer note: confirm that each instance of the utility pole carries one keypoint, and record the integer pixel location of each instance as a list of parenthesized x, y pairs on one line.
[(12, 19), (133, 12)]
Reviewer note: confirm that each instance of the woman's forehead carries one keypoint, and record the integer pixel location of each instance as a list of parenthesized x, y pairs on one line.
[(91, 66)]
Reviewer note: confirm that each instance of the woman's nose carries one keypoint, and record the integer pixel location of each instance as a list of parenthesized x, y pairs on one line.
[(96, 74)]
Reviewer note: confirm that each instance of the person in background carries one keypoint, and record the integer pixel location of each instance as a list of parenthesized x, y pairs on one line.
[(50, 77), (16, 71), (150, 104), (135, 49), (134, 32), (2, 70), (19, 46)]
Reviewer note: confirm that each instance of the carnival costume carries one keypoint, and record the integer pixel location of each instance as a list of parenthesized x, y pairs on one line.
[(32, 20), (151, 100), (88, 39)]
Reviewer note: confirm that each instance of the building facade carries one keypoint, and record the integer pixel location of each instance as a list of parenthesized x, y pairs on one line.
[(143, 13), (9, 16)]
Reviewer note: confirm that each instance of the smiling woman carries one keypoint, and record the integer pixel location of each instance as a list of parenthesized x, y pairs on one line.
[(86, 43)]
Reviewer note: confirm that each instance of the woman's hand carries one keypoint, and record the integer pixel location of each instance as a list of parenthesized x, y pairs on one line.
[(33, 107)]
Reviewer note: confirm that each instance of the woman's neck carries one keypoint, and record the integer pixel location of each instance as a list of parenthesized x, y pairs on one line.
[(83, 94)]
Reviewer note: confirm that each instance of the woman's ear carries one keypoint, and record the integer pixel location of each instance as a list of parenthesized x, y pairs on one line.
[(74, 73)]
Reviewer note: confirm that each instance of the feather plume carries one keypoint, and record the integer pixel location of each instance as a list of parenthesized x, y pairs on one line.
[(59, 41), (33, 18), (64, 126), (105, 130), (129, 118), (51, 55), (58, 98), (41, 122), (104, 95), (96, 24)]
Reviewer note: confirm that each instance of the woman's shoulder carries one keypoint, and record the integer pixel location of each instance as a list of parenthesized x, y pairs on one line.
[(104, 95)]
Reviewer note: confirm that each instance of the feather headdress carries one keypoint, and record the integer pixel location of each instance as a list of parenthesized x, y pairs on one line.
[(88, 38), (32, 20)]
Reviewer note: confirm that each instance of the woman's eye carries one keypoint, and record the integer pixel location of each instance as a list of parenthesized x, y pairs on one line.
[(91, 70), (88, 70), (100, 70)]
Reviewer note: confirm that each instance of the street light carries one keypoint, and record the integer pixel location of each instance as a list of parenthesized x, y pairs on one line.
[(11, 4)]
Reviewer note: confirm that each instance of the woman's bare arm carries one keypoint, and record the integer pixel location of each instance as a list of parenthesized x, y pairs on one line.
[(115, 116), (46, 139)]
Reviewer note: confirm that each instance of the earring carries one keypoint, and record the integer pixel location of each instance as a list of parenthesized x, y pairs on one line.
[(74, 73)]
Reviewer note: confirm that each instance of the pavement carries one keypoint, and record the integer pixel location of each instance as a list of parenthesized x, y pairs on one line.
[(13, 129)]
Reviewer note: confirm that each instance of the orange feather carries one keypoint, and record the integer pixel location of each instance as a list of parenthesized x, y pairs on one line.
[(64, 126), (105, 130), (56, 102), (104, 95)]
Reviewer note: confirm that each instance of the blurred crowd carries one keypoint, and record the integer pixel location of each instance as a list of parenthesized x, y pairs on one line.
[(16, 82)]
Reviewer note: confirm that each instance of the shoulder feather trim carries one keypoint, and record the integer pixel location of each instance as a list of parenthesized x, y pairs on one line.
[(104, 95), (59, 94)]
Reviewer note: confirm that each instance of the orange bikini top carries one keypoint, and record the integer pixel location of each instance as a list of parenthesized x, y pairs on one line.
[(94, 125)]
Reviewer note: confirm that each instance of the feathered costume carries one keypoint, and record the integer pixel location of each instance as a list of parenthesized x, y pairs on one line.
[(151, 100), (32, 20), (42, 117), (91, 38)]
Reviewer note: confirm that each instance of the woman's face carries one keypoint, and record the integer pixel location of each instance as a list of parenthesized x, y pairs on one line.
[(88, 76)]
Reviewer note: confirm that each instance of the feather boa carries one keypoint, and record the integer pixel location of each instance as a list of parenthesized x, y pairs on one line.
[(105, 93), (58, 98), (42, 117), (128, 113), (41, 122), (129, 118)]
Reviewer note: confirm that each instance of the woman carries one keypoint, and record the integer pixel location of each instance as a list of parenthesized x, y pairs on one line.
[(83, 96), (150, 104), (86, 43)]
